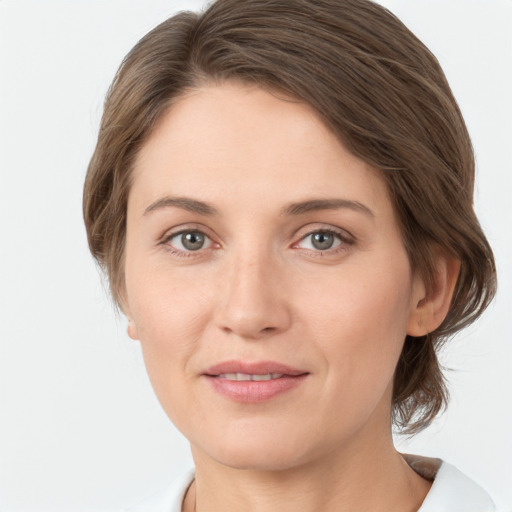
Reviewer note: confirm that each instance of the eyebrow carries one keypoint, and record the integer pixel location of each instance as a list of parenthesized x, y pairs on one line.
[(294, 209), (185, 203), (327, 204)]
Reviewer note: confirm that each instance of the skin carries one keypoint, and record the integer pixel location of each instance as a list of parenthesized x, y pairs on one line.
[(259, 289)]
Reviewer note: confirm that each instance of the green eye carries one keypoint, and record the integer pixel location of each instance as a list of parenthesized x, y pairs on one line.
[(192, 241), (322, 241), (189, 241)]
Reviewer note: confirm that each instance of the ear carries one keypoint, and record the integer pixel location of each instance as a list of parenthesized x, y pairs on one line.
[(131, 329), (430, 307)]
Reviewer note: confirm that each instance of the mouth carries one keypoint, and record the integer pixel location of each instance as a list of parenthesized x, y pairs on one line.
[(253, 382), (243, 377)]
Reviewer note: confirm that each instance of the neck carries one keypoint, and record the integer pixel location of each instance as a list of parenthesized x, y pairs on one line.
[(369, 477)]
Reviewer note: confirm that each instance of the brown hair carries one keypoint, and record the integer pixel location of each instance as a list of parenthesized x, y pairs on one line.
[(376, 86)]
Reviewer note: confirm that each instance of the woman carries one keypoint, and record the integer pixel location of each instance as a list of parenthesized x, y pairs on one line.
[(281, 196)]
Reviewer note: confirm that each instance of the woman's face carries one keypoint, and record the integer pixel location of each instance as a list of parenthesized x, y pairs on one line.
[(266, 279)]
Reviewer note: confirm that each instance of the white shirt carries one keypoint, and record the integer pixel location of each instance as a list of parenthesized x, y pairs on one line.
[(451, 491)]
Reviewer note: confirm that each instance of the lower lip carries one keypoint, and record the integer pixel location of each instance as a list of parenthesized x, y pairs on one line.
[(253, 392)]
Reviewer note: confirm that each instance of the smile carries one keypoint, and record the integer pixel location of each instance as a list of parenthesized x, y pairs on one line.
[(246, 376), (255, 382)]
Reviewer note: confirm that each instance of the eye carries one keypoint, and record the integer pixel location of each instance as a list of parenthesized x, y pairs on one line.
[(321, 240), (189, 241)]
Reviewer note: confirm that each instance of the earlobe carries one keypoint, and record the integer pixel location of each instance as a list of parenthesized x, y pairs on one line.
[(433, 305), (131, 329)]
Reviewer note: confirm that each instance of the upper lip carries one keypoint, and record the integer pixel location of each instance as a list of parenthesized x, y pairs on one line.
[(252, 368)]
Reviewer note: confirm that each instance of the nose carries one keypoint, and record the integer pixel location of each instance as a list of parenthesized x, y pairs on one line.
[(253, 303)]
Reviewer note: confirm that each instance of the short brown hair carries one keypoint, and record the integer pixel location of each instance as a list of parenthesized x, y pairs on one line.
[(375, 85)]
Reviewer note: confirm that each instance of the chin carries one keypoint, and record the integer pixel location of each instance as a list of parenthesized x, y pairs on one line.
[(259, 460), (260, 452)]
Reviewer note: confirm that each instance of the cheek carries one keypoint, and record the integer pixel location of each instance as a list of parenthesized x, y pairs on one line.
[(360, 324), (169, 316), (163, 304)]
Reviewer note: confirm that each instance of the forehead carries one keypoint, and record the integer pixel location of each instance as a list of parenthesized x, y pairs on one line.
[(237, 142)]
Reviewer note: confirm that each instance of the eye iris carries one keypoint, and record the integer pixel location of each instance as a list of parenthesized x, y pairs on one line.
[(322, 241), (192, 241)]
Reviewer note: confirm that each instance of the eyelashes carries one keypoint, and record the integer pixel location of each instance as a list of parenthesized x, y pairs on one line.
[(194, 242), (189, 240), (188, 243), (324, 241)]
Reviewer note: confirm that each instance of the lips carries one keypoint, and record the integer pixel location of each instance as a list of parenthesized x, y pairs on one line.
[(253, 382), (257, 368), (240, 377)]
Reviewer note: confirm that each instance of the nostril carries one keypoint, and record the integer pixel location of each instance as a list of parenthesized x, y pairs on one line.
[(253, 334)]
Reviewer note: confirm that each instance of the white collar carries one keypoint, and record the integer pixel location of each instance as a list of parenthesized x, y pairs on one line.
[(451, 491)]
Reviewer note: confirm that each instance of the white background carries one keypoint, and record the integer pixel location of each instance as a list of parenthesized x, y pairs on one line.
[(80, 429)]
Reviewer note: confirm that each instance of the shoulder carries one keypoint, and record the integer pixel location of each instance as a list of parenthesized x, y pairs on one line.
[(169, 499), (452, 490)]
